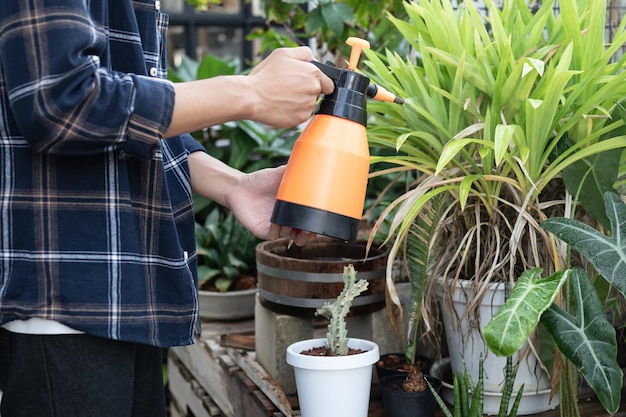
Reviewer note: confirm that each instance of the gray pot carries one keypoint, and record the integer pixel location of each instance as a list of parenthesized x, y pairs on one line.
[(229, 305)]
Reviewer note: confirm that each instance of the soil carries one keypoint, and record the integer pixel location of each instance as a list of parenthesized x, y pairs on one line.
[(399, 385), (396, 362), (325, 351), (414, 381), (399, 363), (244, 282)]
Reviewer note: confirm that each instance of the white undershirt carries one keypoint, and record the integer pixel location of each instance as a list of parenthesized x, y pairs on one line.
[(36, 325)]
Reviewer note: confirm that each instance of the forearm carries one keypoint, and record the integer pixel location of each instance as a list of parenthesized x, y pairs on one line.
[(211, 178), (281, 91), (210, 102)]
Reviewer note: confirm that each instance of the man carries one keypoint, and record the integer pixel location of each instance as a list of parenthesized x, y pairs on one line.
[(97, 251)]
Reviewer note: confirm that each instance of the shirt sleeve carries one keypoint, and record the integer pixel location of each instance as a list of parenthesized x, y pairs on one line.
[(192, 145), (62, 99)]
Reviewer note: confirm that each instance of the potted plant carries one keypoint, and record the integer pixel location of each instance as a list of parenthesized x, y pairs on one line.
[(404, 392), (226, 276), (503, 113), (333, 374), (584, 334)]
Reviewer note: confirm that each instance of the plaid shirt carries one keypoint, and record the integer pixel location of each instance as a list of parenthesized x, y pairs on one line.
[(96, 224)]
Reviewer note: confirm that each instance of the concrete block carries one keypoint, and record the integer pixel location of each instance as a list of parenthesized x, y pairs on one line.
[(273, 334)]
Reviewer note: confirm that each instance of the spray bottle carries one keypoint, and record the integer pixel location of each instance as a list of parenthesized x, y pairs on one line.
[(323, 188)]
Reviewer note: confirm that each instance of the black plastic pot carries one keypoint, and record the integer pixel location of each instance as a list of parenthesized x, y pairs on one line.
[(383, 371), (398, 403)]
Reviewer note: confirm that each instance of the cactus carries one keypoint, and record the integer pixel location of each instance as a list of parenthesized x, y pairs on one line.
[(336, 312)]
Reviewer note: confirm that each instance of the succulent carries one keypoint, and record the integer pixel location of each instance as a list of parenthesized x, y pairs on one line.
[(337, 311)]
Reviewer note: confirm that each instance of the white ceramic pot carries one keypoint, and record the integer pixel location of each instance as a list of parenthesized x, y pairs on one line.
[(333, 386), (229, 305), (466, 343)]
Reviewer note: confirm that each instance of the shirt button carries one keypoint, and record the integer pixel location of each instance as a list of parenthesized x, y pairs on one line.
[(157, 5), (153, 71)]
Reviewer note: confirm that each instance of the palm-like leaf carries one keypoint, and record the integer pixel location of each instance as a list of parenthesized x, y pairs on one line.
[(421, 254), (511, 326), (588, 340)]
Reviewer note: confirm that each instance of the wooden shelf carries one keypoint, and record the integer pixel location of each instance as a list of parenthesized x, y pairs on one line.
[(218, 376)]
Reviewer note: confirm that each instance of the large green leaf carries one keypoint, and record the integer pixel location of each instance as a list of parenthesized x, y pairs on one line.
[(336, 16), (606, 253), (511, 326), (588, 340), (589, 178)]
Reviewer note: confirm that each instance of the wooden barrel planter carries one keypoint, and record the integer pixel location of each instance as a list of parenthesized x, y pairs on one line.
[(298, 280)]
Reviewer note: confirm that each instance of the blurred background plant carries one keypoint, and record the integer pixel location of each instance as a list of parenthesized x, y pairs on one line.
[(328, 23), (226, 253)]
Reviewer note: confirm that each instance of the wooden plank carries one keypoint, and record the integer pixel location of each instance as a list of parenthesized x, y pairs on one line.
[(264, 381), (210, 374), (238, 341), (187, 395)]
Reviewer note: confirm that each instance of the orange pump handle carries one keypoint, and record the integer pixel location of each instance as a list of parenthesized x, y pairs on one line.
[(357, 45)]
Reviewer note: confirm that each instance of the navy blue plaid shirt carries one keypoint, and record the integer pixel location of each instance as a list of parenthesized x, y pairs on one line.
[(96, 223)]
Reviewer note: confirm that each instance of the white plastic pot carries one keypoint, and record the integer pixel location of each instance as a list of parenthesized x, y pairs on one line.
[(333, 386), (466, 345), (533, 402)]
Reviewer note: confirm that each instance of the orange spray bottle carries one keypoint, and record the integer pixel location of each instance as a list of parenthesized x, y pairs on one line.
[(323, 188)]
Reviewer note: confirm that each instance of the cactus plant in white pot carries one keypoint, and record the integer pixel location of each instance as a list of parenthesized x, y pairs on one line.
[(333, 374)]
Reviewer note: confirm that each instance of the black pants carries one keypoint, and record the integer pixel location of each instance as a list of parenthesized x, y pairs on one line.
[(4, 357), (80, 376)]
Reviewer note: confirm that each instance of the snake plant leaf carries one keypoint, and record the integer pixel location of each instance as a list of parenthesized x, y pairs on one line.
[(588, 340), (606, 253), (511, 326)]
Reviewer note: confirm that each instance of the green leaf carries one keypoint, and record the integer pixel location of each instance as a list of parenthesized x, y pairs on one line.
[(588, 340), (503, 139), (452, 149), (187, 71), (464, 190), (212, 66), (223, 283), (421, 255), (314, 20), (589, 178), (606, 253), (511, 326), (336, 15)]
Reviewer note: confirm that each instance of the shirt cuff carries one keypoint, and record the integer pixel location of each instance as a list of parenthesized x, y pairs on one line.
[(151, 116)]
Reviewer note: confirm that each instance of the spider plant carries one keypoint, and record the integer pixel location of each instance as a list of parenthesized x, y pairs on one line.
[(507, 114), (497, 108)]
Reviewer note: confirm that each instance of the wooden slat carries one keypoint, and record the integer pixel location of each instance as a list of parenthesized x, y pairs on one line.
[(265, 382), (238, 341)]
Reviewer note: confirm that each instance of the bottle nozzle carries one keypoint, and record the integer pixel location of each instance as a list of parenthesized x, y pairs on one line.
[(379, 93), (357, 45)]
